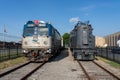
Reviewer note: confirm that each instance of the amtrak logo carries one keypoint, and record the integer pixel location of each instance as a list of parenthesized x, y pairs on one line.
[(34, 40)]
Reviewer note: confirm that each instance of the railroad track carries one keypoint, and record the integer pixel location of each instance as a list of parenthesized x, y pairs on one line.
[(24, 71), (94, 71), (21, 72), (14, 69), (30, 73)]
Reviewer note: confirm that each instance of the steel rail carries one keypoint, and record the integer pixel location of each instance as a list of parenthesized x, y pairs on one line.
[(14, 69), (88, 76), (107, 71), (30, 73), (43, 63)]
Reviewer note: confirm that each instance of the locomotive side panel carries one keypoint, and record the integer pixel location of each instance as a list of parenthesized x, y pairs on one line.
[(56, 40), (73, 42)]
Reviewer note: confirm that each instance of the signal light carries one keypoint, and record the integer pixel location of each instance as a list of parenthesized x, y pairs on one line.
[(36, 22)]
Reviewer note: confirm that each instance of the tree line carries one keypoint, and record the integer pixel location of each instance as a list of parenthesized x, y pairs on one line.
[(66, 41)]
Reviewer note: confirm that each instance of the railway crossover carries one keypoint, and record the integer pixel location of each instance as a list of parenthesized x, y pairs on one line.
[(94, 71)]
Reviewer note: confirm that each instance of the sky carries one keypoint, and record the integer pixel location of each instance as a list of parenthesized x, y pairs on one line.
[(104, 15)]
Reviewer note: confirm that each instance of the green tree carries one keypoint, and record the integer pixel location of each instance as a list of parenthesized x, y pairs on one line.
[(66, 37)]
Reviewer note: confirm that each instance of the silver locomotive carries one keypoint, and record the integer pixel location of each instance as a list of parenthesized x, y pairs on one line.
[(40, 40), (82, 41)]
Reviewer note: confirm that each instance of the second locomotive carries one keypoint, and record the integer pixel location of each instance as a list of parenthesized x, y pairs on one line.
[(82, 41)]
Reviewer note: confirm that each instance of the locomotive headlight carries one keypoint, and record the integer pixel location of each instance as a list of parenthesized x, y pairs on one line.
[(45, 42), (25, 43), (25, 51), (49, 51)]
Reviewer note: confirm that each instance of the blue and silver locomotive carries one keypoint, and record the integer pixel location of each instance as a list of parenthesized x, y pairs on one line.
[(82, 41), (40, 40)]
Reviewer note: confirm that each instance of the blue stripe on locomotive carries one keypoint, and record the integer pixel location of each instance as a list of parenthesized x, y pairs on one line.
[(49, 29), (25, 26)]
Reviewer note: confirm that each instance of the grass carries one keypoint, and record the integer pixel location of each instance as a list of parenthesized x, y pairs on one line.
[(7, 55), (12, 62), (11, 56), (111, 63)]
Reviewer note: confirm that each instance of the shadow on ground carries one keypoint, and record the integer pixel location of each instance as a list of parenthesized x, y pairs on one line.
[(63, 54)]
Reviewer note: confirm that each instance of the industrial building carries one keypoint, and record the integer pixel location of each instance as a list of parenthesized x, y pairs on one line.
[(99, 41), (109, 40)]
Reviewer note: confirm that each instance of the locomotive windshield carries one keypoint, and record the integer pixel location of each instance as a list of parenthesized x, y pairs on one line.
[(41, 31), (29, 31)]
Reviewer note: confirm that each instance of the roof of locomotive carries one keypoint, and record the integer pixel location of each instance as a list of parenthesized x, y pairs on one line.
[(79, 24), (32, 24), (35, 23), (39, 23), (82, 24)]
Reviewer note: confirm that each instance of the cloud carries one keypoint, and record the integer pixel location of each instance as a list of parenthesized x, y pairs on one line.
[(88, 8), (74, 20)]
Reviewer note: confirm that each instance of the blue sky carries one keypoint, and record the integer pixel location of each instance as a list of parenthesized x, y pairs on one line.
[(104, 15)]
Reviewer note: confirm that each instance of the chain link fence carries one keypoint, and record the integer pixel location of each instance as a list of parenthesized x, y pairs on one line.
[(10, 52), (111, 53), (9, 47)]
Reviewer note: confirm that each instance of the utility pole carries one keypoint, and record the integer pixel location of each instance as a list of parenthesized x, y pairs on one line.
[(4, 36)]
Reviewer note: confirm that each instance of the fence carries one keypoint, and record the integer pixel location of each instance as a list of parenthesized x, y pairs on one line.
[(10, 52), (9, 46), (109, 53)]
